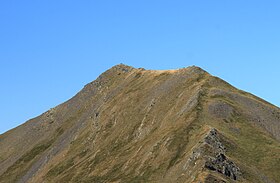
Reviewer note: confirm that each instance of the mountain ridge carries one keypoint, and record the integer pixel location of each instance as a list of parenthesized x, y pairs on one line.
[(140, 125)]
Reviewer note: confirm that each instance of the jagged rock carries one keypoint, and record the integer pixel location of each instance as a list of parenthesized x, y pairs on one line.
[(213, 153), (222, 165), (219, 162)]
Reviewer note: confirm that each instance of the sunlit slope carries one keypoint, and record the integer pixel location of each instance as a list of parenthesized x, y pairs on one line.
[(136, 125)]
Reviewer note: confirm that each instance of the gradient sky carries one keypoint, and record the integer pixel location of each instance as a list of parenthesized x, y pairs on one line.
[(49, 49)]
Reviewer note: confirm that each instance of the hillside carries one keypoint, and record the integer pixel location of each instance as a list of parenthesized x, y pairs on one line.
[(137, 125)]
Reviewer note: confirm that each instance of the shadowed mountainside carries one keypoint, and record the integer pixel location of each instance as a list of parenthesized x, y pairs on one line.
[(137, 125)]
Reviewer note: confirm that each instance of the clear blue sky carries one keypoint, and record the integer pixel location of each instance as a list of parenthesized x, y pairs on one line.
[(49, 49)]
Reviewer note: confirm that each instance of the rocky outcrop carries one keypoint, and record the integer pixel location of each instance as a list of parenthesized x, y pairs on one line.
[(217, 160), (221, 164), (213, 154)]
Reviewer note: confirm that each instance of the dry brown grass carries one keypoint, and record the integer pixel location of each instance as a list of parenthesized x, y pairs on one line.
[(136, 125)]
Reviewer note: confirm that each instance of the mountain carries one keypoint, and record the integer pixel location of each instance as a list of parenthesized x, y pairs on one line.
[(137, 125)]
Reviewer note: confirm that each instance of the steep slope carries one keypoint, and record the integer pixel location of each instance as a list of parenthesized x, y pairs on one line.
[(136, 125)]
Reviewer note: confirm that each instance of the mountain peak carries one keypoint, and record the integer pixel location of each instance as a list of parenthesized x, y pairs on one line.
[(137, 125), (126, 68), (122, 66), (196, 68)]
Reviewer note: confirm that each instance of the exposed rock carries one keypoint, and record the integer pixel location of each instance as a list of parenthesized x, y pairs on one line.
[(219, 162), (212, 151), (221, 109)]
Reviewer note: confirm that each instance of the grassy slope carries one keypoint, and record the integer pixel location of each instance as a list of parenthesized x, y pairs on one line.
[(255, 150), (141, 127)]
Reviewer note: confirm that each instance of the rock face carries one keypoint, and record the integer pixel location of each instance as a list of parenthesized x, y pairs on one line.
[(211, 153), (217, 160), (137, 125)]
